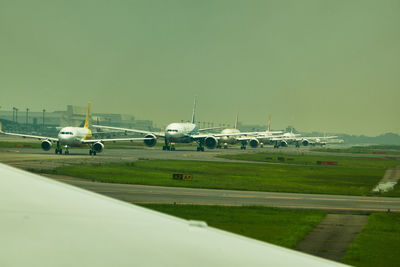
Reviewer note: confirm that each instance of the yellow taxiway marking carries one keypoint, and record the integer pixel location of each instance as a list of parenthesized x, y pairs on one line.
[(233, 195), (338, 199), (357, 200), (270, 197), (333, 208)]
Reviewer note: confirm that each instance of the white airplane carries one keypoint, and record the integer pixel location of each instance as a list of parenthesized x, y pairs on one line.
[(177, 132), (48, 223), (296, 139), (251, 138), (261, 138), (74, 137)]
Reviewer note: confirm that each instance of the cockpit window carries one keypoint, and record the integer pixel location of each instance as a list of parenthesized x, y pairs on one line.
[(172, 130), (70, 133)]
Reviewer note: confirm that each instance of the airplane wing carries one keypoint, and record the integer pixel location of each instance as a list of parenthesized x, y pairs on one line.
[(105, 140), (129, 130), (201, 136), (48, 223), (208, 129), (29, 136), (319, 137)]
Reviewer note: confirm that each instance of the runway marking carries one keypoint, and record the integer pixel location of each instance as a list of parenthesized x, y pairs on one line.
[(277, 206), (357, 200), (338, 199), (378, 201), (248, 196), (270, 197), (334, 208)]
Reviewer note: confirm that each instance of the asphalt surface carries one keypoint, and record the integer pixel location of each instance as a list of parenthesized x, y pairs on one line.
[(181, 195), (32, 158)]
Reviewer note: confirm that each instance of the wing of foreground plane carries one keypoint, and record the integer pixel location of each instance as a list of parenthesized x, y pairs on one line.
[(158, 134), (29, 136), (49, 223)]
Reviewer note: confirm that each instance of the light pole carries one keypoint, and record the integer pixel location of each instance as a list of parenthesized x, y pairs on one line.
[(13, 114), (43, 117), (16, 115), (27, 111)]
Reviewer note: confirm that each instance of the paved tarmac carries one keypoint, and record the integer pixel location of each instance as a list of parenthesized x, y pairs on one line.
[(181, 195), (32, 158)]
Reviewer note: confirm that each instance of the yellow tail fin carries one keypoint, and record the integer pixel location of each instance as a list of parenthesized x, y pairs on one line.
[(87, 116)]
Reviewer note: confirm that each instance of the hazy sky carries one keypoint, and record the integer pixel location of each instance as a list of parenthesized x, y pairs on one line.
[(317, 65)]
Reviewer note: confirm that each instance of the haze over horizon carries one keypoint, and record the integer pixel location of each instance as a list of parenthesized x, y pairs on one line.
[(329, 66)]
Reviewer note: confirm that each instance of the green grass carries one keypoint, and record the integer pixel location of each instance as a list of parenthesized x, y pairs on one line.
[(283, 227), (375, 149), (378, 244), (240, 176), (20, 144), (307, 159)]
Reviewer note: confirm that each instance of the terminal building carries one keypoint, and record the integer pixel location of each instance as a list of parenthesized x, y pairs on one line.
[(46, 122)]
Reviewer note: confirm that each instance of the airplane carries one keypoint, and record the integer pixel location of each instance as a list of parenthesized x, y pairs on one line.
[(251, 138), (48, 223), (261, 138), (74, 137), (296, 139), (178, 132)]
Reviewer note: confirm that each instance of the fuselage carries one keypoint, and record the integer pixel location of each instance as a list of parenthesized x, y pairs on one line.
[(73, 136), (180, 132), (229, 139)]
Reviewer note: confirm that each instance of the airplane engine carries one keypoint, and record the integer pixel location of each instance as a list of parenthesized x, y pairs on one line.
[(150, 142), (46, 145), (211, 142), (254, 143), (284, 143), (305, 142), (98, 147)]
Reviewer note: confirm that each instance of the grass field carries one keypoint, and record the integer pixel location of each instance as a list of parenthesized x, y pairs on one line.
[(307, 159), (283, 227), (240, 176), (24, 144), (374, 149), (378, 244)]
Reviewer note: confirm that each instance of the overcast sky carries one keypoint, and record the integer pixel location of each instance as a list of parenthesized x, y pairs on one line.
[(317, 65)]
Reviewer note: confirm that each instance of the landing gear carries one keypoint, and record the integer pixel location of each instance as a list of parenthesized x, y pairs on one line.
[(200, 148), (92, 152), (58, 149), (66, 151), (166, 147), (297, 144), (261, 145), (243, 147)]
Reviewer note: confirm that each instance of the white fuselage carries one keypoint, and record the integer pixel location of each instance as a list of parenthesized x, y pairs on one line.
[(229, 139), (180, 132), (73, 136)]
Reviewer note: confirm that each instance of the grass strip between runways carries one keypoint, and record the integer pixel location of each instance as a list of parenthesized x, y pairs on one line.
[(233, 176), (283, 227), (378, 244)]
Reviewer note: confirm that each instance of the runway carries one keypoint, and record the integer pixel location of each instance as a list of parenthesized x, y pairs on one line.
[(180, 195), (32, 158)]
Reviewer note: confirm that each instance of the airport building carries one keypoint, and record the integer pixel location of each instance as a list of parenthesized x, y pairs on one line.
[(19, 119)]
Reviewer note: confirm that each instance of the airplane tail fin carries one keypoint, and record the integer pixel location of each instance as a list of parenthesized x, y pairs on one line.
[(237, 121), (194, 110), (269, 122), (86, 125)]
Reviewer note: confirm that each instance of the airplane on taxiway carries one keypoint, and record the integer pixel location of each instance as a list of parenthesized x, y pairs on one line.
[(179, 132), (251, 138), (74, 137)]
